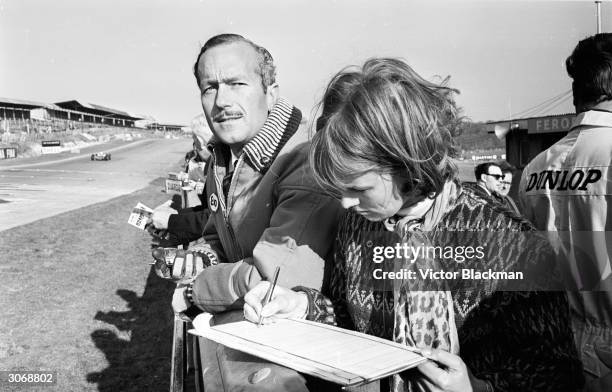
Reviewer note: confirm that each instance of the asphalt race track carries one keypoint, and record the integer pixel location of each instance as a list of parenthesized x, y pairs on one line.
[(34, 189), (40, 189)]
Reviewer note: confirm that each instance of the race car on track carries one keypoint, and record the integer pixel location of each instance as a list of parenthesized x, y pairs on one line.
[(101, 156)]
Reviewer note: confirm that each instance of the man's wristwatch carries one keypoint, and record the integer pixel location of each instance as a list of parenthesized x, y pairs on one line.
[(189, 293)]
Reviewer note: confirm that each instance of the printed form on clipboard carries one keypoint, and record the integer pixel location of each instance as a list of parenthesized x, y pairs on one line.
[(339, 355)]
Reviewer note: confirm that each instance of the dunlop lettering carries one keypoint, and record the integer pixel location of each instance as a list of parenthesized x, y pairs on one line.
[(549, 178), (574, 184), (562, 180), (540, 179), (533, 179), (592, 177), (563, 184)]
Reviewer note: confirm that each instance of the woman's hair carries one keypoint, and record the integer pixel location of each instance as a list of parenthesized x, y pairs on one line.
[(385, 117)]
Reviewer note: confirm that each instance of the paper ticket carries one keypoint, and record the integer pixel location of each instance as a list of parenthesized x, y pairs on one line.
[(140, 215)]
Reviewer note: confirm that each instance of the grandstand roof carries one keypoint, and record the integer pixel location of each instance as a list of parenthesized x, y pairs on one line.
[(531, 118), (167, 125), (540, 124), (96, 109), (22, 103)]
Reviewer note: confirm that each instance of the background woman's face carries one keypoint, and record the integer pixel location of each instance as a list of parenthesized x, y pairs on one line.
[(376, 196)]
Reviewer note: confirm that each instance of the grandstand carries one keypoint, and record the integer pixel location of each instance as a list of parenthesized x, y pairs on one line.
[(98, 114), (19, 115), (165, 127)]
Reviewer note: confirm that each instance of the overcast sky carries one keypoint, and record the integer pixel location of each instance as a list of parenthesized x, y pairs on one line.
[(504, 56)]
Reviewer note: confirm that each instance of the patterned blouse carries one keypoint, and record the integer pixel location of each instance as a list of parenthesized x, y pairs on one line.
[(509, 340)]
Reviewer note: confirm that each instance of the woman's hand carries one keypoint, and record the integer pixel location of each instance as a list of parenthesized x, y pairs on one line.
[(285, 303), (445, 372)]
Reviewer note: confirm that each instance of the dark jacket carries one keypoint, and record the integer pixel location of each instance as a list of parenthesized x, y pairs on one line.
[(274, 215)]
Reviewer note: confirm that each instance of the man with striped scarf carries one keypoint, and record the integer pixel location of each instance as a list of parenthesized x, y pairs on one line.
[(265, 207)]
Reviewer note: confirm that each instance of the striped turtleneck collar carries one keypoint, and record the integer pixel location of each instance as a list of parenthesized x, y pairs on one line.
[(282, 122)]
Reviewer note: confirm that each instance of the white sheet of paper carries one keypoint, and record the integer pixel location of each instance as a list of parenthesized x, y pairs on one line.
[(335, 354)]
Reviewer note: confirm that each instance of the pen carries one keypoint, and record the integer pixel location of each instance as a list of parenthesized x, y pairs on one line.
[(269, 293)]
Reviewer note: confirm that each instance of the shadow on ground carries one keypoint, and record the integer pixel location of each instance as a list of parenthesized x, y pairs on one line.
[(145, 337)]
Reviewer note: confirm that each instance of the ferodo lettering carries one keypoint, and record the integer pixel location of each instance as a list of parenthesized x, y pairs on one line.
[(563, 180)]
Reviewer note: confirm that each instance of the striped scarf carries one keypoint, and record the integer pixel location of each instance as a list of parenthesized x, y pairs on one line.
[(282, 123)]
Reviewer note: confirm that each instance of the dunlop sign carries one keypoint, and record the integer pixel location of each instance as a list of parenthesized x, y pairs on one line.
[(550, 124)]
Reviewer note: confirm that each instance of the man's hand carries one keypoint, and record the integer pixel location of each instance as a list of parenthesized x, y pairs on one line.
[(158, 235), (285, 303), (179, 299), (161, 215), (445, 372), (179, 265)]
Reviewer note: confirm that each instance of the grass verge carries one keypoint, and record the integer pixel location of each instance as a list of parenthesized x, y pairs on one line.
[(78, 297)]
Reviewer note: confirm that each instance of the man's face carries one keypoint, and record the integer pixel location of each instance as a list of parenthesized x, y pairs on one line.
[(233, 99), (492, 180), (505, 183)]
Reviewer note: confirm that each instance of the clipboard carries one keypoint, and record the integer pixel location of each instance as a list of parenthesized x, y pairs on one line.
[(338, 355)]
